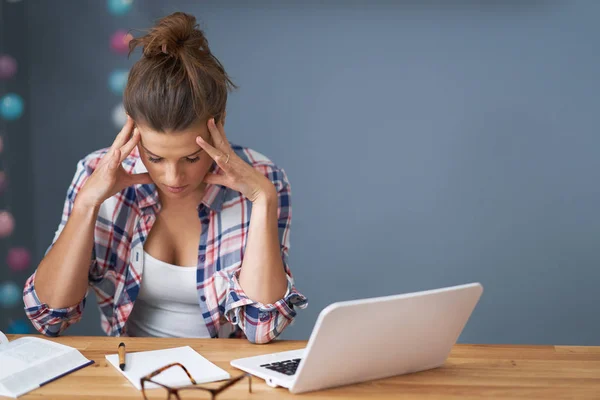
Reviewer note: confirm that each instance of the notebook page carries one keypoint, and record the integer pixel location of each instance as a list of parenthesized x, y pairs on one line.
[(139, 364)]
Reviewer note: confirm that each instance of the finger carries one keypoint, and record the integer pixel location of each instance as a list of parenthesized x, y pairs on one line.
[(212, 152), (115, 160), (217, 135), (140, 179), (123, 136), (219, 156), (216, 179), (128, 147)]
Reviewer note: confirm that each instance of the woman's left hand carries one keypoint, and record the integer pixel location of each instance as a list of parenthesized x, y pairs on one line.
[(237, 174)]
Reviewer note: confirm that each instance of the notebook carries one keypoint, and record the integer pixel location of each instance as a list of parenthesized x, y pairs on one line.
[(27, 363), (139, 364)]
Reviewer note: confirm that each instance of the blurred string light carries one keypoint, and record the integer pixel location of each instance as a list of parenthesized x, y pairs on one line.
[(119, 41), (10, 294), (119, 116), (11, 106), (18, 259), (8, 66), (117, 81), (7, 224), (119, 7)]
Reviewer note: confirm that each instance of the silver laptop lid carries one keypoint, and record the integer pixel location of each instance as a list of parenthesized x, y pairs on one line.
[(360, 340)]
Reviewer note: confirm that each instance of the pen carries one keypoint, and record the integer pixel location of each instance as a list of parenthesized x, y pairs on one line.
[(122, 356)]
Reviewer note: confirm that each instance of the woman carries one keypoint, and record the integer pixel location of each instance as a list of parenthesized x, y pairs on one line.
[(188, 234)]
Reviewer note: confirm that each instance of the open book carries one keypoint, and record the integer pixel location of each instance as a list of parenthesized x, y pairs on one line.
[(27, 363)]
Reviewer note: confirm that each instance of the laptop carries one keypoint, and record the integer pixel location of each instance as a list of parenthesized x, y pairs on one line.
[(361, 340)]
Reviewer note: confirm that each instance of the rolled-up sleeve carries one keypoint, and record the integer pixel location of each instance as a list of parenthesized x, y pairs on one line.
[(49, 321), (53, 321), (260, 322)]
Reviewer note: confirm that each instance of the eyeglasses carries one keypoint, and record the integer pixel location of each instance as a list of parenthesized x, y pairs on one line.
[(165, 392)]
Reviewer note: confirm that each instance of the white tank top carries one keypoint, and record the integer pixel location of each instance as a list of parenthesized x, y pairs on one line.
[(167, 303)]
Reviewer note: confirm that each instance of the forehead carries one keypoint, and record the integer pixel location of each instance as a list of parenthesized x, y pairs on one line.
[(172, 143), (198, 127)]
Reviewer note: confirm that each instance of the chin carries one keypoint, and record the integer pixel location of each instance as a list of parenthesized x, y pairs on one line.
[(176, 191)]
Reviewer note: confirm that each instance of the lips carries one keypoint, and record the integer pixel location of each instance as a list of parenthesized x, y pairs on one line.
[(176, 189)]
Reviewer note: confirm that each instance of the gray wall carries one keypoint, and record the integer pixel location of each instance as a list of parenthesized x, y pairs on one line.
[(15, 160), (427, 145)]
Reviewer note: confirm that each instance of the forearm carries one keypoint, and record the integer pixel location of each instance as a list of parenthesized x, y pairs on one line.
[(262, 276), (61, 279)]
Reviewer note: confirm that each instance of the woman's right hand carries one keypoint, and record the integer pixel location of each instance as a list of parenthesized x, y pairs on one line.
[(109, 177)]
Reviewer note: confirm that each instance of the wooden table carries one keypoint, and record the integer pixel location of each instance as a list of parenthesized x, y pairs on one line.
[(471, 372)]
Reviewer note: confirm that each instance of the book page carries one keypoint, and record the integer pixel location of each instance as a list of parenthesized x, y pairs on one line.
[(3, 339), (26, 352), (26, 363)]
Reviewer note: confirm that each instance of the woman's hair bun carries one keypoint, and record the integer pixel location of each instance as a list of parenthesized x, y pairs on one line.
[(170, 35)]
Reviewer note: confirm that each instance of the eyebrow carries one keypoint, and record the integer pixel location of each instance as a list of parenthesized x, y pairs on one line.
[(157, 156)]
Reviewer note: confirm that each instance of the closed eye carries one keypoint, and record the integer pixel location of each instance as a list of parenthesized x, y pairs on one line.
[(154, 160), (191, 160)]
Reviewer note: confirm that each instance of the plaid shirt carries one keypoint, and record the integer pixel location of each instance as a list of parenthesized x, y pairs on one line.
[(122, 226)]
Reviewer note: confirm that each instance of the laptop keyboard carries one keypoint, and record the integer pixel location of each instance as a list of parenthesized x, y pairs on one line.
[(287, 367)]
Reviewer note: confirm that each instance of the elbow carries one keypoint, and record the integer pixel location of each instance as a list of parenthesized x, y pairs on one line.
[(49, 333), (265, 336), (47, 329), (263, 339)]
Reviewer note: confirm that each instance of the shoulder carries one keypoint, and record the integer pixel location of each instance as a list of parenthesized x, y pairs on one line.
[(263, 164)]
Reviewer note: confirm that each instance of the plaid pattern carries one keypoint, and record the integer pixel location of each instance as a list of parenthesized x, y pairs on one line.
[(123, 224)]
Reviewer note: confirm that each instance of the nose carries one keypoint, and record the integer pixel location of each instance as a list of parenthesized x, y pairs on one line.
[(173, 176)]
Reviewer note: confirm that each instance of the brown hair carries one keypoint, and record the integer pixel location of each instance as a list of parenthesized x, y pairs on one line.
[(178, 80)]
